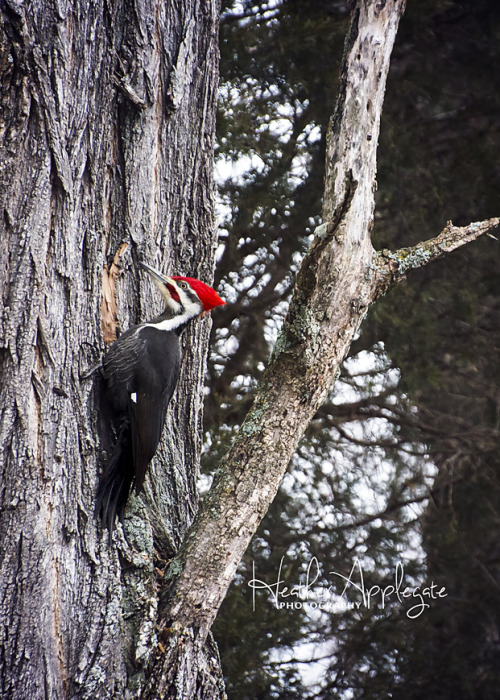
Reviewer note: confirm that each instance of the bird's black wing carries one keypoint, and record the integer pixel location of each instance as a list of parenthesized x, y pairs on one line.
[(155, 379), (141, 370), (120, 366), (146, 425)]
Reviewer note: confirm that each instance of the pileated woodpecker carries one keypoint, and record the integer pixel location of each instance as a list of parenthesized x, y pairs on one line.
[(140, 372)]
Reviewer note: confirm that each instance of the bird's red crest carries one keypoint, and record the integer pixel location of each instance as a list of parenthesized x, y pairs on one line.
[(208, 296)]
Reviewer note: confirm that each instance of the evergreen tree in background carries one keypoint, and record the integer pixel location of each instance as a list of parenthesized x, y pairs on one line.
[(401, 465)]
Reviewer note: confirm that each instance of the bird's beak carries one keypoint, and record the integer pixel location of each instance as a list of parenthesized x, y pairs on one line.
[(157, 276), (165, 284)]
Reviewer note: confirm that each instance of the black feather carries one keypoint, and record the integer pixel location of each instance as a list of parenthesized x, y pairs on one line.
[(140, 372), (116, 482)]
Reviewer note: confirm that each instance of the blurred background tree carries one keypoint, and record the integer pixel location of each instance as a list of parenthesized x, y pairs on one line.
[(401, 465)]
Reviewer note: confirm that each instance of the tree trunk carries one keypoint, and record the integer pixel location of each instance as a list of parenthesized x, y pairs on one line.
[(106, 138)]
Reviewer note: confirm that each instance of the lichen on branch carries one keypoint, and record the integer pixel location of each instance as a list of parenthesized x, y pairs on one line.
[(392, 266)]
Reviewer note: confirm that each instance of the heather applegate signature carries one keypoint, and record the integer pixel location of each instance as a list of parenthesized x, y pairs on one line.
[(350, 592)]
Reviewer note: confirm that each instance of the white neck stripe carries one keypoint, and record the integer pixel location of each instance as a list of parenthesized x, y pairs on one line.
[(169, 324)]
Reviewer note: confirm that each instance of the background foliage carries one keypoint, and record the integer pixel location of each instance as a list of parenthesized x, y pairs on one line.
[(401, 464)]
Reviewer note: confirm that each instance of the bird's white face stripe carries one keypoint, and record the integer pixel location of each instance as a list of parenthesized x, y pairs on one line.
[(134, 397), (191, 308)]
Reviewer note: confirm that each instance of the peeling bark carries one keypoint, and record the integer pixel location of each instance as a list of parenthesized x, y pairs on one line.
[(109, 309)]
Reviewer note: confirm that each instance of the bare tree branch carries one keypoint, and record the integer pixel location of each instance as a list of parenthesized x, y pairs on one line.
[(333, 291), (393, 266)]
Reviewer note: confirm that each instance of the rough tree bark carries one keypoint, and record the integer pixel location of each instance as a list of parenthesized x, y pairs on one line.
[(106, 137)]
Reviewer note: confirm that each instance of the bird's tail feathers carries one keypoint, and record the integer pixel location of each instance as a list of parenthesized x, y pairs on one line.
[(116, 482)]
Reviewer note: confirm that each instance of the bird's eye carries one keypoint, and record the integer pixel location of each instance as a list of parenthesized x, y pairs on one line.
[(183, 285)]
